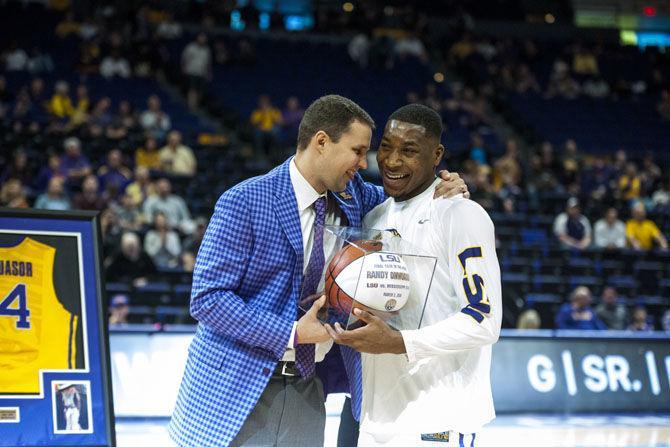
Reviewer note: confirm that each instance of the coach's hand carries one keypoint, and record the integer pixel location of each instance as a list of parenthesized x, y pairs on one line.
[(376, 337), (309, 329), (451, 185)]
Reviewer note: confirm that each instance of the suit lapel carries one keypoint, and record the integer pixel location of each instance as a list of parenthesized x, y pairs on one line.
[(286, 209)]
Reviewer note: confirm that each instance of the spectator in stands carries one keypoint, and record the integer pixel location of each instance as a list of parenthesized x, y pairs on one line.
[(643, 233), (113, 175), (128, 213), (196, 66), (142, 187), (132, 264), (584, 62), (55, 197), (665, 321), (60, 104), (529, 319), (154, 120), (39, 62), (46, 173), (629, 183), (15, 58), (101, 117), (18, 169), (89, 198), (661, 198), (177, 158), (571, 163), (650, 174), (162, 243), (597, 179), (67, 26), (111, 234), (596, 87), (410, 46), (359, 49), (610, 311), (193, 241), (13, 195), (74, 164), (640, 320), (477, 150), (147, 156), (118, 310), (266, 120), (577, 314), (525, 80), (81, 108), (123, 122), (507, 169), (291, 117), (609, 232), (572, 228), (173, 206), (169, 29)]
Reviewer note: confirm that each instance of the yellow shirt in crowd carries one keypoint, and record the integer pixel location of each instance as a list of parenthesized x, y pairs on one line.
[(642, 231)]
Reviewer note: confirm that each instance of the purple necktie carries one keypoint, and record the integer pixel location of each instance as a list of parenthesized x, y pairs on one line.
[(304, 353)]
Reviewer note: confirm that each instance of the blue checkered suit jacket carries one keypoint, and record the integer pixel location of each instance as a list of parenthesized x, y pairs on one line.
[(246, 286)]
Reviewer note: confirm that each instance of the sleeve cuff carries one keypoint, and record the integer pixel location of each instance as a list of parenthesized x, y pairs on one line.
[(292, 339), (408, 339)]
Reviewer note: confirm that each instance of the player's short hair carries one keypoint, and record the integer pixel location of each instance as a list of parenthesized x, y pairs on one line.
[(332, 114), (420, 115)]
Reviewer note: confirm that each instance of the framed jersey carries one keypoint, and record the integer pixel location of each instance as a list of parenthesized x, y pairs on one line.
[(55, 386)]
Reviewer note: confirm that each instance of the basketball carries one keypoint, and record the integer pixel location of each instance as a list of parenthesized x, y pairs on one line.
[(380, 281)]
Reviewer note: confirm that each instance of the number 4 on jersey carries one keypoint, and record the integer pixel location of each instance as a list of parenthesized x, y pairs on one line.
[(21, 311)]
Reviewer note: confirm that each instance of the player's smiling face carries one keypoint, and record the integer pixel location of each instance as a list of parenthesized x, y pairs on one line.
[(407, 158)]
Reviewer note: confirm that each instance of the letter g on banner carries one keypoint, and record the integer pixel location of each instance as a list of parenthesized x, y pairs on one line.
[(541, 373)]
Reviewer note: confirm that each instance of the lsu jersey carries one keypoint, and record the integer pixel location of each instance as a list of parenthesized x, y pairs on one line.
[(36, 332)]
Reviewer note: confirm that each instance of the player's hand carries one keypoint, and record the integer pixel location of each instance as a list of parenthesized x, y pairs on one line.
[(452, 184), (376, 337), (309, 329)]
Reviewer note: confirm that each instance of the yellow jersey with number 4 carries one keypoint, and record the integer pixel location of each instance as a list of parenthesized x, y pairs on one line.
[(36, 332)]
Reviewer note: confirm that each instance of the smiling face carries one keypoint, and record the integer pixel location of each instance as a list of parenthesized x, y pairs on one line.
[(340, 160), (407, 159)]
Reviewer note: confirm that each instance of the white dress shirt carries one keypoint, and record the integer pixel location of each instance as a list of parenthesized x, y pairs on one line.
[(306, 195), (443, 382)]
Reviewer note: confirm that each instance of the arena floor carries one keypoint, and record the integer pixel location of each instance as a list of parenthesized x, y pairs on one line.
[(514, 431)]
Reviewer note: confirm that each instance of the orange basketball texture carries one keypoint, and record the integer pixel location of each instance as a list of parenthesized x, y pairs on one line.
[(337, 298)]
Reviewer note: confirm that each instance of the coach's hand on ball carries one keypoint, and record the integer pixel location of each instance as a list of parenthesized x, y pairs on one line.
[(376, 337), (309, 329), (452, 184)]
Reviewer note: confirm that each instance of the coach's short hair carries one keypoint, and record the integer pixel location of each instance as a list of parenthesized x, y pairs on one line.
[(332, 114), (420, 115)]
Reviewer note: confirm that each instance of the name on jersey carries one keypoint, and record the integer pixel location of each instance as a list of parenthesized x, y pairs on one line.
[(16, 268), (380, 274)]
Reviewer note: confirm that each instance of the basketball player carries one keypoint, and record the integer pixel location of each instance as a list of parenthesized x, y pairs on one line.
[(71, 404), (430, 385), (249, 378)]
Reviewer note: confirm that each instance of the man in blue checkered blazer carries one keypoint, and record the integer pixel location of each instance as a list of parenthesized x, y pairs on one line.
[(240, 384)]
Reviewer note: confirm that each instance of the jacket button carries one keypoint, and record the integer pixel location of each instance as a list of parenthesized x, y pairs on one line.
[(266, 371)]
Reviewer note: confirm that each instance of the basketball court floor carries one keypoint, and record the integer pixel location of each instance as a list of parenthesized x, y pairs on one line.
[(526, 430)]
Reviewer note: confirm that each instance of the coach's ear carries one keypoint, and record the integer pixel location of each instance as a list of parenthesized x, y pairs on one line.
[(321, 140), (451, 185)]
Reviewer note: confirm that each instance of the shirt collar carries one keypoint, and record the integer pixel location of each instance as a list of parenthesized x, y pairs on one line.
[(305, 194), (419, 197)]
